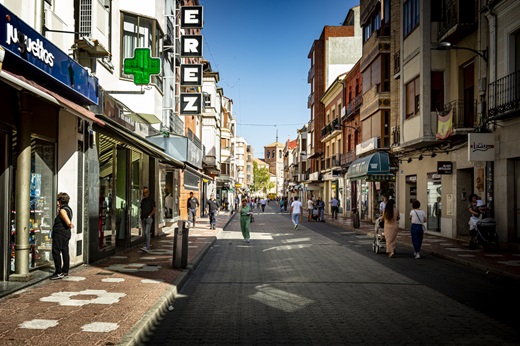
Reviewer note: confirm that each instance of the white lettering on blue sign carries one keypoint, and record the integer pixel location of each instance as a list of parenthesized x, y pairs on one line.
[(28, 44)]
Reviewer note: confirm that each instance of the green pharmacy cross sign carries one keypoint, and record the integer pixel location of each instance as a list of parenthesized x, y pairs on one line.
[(142, 65)]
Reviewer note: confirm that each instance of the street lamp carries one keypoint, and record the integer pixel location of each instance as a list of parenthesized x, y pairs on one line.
[(339, 126), (448, 45)]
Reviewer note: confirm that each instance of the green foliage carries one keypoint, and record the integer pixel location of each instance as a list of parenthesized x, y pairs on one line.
[(261, 181)]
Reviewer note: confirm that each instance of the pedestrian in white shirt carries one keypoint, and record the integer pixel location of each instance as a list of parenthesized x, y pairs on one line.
[(310, 209), (296, 210)]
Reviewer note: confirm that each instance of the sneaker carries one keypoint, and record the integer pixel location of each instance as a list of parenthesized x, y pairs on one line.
[(248, 241), (65, 275), (145, 249), (295, 226), (417, 256), (57, 276)]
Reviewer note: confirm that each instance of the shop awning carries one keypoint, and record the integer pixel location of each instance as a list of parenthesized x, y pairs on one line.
[(20, 82), (140, 143), (375, 167)]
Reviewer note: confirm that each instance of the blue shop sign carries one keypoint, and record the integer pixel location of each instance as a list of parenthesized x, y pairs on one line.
[(27, 44)]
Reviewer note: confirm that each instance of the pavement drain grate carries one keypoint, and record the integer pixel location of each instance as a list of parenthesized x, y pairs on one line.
[(104, 273)]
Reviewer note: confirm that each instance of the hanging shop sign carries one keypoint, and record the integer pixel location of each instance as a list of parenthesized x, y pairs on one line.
[(27, 49), (142, 66), (191, 103), (444, 167), (191, 47), (191, 17), (191, 75), (481, 147)]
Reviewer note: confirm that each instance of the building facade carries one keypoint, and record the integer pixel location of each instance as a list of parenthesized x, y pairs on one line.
[(335, 52)]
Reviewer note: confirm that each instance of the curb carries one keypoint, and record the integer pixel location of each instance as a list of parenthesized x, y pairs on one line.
[(137, 335)]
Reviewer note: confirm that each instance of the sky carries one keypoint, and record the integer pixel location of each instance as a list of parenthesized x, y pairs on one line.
[(260, 49)]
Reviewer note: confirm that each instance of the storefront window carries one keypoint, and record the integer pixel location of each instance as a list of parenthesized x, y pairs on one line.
[(434, 202), (348, 196), (42, 202), (136, 194), (169, 194), (364, 199), (106, 222)]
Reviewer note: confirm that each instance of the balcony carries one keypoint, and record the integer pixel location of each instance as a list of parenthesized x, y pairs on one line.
[(397, 63), (211, 164), (347, 158), (310, 100), (354, 106), (464, 117), (504, 97), (330, 131), (459, 19), (310, 75)]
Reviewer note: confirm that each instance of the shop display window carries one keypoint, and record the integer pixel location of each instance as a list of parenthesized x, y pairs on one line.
[(434, 207), (106, 222), (41, 203), (136, 194)]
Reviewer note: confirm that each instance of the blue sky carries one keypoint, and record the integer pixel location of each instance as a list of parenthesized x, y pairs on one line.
[(260, 48)]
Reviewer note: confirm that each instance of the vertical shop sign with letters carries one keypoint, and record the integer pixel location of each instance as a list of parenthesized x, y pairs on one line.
[(191, 47)]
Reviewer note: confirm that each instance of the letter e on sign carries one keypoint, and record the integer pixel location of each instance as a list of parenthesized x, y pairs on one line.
[(191, 74), (191, 17), (191, 103)]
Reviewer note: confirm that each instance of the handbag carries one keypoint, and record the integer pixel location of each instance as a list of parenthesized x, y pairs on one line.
[(422, 224), (381, 223), (252, 218)]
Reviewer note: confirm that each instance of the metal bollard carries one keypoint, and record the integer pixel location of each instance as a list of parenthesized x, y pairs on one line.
[(355, 218), (180, 245)]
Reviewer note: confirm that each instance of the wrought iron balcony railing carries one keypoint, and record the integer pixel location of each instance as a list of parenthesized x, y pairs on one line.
[(504, 96)]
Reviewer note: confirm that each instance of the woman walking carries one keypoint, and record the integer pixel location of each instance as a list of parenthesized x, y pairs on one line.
[(245, 219), (418, 217), (390, 216)]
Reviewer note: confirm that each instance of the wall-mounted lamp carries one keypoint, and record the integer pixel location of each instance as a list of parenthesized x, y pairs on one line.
[(448, 45), (433, 154), (420, 157), (410, 160), (339, 126)]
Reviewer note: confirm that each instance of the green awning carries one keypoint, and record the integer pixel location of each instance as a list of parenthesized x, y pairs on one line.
[(375, 167)]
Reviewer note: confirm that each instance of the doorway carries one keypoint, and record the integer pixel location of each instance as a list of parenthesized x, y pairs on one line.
[(5, 227)]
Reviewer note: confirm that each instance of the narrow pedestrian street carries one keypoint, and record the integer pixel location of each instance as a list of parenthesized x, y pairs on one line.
[(320, 284)]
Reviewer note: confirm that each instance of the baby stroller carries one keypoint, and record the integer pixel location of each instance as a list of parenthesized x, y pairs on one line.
[(484, 234), (379, 243), (316, 214)]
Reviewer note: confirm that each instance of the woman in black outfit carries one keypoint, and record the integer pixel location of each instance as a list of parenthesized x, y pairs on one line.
[(60, 237)]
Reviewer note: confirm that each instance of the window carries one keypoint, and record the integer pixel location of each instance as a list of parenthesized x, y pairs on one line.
[(410, 16), (139, 32), (268, 154), (279, 154), (412, 98), (437, 90), (207, 100)]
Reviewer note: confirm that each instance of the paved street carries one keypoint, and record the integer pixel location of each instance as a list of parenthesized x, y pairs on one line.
[(319, 284), (324, 285)]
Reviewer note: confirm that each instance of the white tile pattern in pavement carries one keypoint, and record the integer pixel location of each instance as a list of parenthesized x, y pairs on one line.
[(102, 297), (100, 327), (113, 280), (38, 324)]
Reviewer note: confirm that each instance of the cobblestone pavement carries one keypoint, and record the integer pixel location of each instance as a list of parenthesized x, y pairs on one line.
[(306, 286), (117, 300)]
